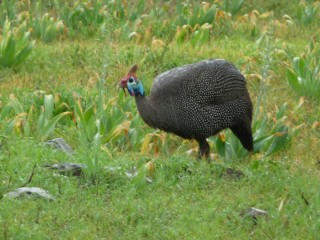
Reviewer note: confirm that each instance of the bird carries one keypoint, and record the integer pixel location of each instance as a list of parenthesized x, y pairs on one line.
[(195, 101)]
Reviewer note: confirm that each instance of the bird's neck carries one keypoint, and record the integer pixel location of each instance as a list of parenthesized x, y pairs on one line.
[(146, 110)]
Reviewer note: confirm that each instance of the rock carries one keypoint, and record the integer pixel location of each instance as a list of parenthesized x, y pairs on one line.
[(111, 169), (69, 169), (61, 144), (29, 192), (149, 180), (233, 174), (134, 173), (254, 213), (131, 174)]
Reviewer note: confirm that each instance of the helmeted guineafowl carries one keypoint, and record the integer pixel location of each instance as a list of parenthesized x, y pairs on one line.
[(196, 101)]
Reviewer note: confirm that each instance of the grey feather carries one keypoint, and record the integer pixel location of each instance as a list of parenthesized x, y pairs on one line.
[(199, 100)]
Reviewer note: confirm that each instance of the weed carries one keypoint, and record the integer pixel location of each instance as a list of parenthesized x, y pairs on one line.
[(233, 7), (15, 46), (82, 19), (23, 120), (304, 73), (306, 13), (7, 11), (266, 141), (47, 28)]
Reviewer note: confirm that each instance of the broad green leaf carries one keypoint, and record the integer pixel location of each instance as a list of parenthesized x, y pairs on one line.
[(229, 152), (296, 65), (221, 146), (48, 106), (46, 130), (259, 126), (29, 120), (16, 104), (81, 121), (293, 80), (41, 120), (236, 6), (260, 143), (195, 37), (9, 51), (279, 141), (209, 16), (303, 76), (205, 35), (90, 122), (281, 111), (14, 48), (193, 20), (5, 112), (233, 7), (23, 54)]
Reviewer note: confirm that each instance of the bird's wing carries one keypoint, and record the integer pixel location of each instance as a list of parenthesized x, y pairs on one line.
[(207, 82)]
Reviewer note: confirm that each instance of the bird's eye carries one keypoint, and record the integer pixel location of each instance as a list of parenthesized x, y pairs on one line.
[(131, 79)]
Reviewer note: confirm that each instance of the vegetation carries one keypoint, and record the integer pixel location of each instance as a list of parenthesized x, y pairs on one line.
[(14, 47), (304, 75), (60, 62)]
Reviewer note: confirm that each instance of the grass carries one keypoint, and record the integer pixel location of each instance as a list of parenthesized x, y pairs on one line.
[(187, 199)]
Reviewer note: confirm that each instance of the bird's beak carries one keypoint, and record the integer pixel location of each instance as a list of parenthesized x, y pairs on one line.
[(121, 85)]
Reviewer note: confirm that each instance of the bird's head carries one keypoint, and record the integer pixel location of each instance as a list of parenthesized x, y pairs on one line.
[(131, 83)]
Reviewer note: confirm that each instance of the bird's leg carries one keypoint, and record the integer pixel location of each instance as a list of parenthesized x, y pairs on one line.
[(204, 149)]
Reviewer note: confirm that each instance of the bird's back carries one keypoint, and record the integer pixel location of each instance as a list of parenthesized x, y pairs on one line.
[(200, 99), (214, 81)]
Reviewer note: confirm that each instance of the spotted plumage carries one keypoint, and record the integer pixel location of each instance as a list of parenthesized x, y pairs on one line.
[(196, 101)]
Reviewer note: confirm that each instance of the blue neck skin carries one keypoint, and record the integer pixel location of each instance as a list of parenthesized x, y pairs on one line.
[(135, 88)]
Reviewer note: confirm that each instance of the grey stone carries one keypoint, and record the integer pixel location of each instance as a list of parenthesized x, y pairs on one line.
[(254, 213), (111, 169), (61, 144), (29, 192), (134, 173), (66, 168), (233, 174)]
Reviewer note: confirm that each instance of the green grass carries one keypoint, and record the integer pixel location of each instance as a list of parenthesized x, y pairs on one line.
[(187, 199)]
